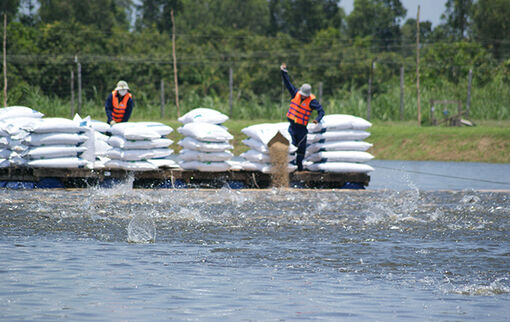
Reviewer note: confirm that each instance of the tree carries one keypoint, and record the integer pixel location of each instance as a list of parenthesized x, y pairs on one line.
[(379, 19), (457, 16), (303, 18), (408, 31), (492, 26), (156, 13), (226, 14), (9, 7), (103, 14)]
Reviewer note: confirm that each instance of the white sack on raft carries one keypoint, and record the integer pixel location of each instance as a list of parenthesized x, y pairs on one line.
[(340, 167), (340, 156), (130, 165), (54, 151), (72, 162), (53, 125), (203, 115), (202, 146), (205, 166), (205, 132), (132, 131), (192, 155), (338, 146), (347, 135), (36, 139), (18, 111), (266, 131), (335, 122), (123, 143)]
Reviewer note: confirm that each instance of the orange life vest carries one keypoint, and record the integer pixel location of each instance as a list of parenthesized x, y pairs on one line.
[(299, 111), (119, 109)]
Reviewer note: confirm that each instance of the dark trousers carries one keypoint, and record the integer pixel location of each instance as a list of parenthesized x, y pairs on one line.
[(298, 134)]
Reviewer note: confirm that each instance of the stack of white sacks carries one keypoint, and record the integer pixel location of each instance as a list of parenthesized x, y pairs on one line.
[(206, 144), (259, 135), (43, 142), (139, 146), (336, 145), (11, 135)]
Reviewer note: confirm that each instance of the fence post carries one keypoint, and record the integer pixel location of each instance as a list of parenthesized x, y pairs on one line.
[(402, 93), (231, 89), (176, 80), (418, 65), (468, 102), (320, 92), (79, 84), (5, 59), (369, 99), (162, 109), (72, 93)]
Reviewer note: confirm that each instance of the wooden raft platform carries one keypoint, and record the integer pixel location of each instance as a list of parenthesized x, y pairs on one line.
[(177, 178)]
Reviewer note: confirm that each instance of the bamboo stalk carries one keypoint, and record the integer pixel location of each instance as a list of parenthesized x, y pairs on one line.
[(176, 81), (5, 59), (418, 65)]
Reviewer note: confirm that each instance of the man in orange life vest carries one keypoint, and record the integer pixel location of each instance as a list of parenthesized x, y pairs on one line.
[(119, 104), (301, 106)]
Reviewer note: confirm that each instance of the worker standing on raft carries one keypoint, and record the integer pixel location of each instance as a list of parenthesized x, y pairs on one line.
[(301, 106), (119, 104)]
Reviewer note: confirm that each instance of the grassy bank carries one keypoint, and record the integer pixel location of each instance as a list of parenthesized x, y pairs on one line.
[(489, 141)]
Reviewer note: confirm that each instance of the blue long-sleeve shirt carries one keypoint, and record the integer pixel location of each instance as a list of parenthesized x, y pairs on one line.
[(314, 104), (108, 107)]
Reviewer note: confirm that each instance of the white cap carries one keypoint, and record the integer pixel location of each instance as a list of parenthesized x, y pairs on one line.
[(122, 85), (305, 90)]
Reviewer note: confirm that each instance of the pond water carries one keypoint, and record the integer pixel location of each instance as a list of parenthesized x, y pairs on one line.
[(437, 175), (418, 253)]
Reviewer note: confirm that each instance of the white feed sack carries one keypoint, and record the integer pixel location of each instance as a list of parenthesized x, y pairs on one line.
[(335, 122), (266, 131), (205, 166), (17, 112), (192, 155), (203, 115), (190, 143), (206, 132), (133, 131), (340, 167), (336, 144)]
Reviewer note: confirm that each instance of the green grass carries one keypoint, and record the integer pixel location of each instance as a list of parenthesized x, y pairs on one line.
[(489, 141)]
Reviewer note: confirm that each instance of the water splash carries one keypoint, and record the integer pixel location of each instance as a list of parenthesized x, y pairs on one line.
[(141, 229), (396, 207), (497, 287), (470, 199)]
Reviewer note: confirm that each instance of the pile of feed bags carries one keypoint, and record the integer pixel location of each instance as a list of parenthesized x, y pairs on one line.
[(42, 142), (206, 144), (11, 135), (336, 145), (259, 135), (97, 141), (139, 146)]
